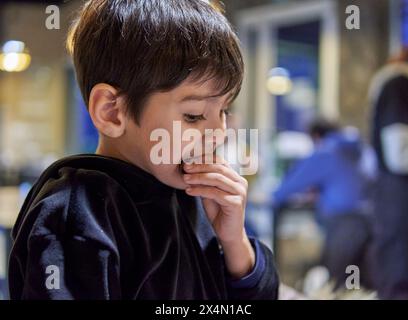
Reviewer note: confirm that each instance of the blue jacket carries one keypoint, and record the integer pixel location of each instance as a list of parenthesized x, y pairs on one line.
[(333, 169)]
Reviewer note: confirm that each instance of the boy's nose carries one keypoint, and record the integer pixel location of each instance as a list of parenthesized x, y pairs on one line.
[(218, 125), (213, 140)]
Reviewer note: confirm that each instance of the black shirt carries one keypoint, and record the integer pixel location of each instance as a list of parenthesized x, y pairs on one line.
[(95, 227), (391, 107)]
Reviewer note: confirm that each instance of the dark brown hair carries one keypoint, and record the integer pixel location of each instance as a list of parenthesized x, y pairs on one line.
[(145, 46)]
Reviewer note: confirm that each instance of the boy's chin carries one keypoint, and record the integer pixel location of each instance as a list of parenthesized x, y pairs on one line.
[(178, 178)]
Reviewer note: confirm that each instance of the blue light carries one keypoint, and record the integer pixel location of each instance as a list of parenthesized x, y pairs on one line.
[(13, 46), (404, 22)]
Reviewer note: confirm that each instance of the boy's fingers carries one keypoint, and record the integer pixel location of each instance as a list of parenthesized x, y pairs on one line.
[(219, 168), (221, 197), (215, 180), (206, 159)]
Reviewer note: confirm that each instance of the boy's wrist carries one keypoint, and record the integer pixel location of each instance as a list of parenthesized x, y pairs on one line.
[(239, 256)]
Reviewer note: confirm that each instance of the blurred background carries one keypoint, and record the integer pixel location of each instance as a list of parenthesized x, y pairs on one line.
[(308, 76)]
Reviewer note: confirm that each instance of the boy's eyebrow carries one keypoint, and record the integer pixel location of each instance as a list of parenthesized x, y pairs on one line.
[(197, 97)]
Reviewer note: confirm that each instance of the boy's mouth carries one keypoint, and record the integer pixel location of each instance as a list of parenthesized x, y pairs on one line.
[(181, 167), (184, 161), (190, 160)]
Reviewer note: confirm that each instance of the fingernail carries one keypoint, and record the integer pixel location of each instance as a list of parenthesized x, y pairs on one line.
[(187, 177), (188, 190)]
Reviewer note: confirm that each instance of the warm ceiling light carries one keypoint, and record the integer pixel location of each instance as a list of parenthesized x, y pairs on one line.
[(14, 56), (279, 82)]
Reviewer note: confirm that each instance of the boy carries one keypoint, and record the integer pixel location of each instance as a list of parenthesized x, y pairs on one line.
[(115, 225)]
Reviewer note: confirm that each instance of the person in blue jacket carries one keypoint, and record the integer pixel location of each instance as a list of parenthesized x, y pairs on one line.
[(334, 171)]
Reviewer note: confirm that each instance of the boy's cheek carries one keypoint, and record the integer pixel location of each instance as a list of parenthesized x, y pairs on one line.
[(170, 174)]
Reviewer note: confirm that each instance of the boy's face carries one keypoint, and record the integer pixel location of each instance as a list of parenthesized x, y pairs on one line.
[(175, 113)]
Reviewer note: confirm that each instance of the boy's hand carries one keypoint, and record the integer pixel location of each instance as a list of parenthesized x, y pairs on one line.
[(224, 195)]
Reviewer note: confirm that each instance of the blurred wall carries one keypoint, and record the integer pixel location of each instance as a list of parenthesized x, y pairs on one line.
[(232, 6), (362, 52), (32, 102)]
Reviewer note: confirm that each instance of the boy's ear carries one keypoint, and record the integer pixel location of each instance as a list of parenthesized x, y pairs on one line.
[(107, 110)]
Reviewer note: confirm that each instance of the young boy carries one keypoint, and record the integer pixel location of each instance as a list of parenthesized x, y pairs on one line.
[(116, 225)]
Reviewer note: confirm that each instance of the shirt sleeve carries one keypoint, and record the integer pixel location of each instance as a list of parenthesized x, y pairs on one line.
[(262, 283), (308, 173), (75, 268), (49, 262), (66, 248), (394, 139), (252, 279)]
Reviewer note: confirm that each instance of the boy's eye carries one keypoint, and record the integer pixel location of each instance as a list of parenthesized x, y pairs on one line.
[(193, 118), (226, 112)]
